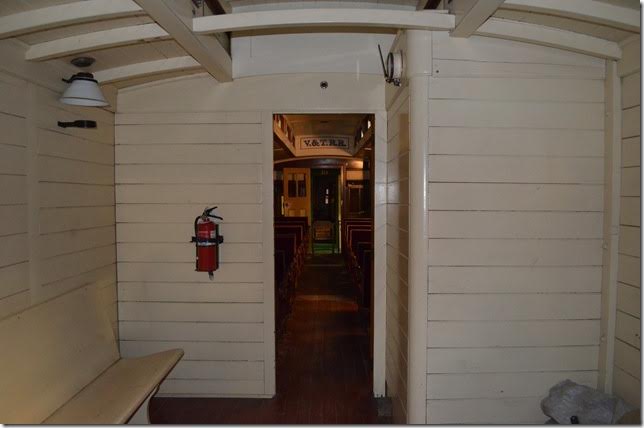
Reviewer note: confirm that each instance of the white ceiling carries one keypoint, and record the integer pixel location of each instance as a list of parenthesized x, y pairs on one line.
[(574, 25), (281, 51)]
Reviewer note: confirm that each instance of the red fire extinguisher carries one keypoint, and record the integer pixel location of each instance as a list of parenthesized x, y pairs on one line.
[(207, 239)]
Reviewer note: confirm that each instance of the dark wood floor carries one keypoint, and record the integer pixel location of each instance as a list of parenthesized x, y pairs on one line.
[(323, 367)]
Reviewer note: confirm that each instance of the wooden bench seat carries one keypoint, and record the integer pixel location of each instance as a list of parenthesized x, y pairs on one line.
[(118, 392), (61, 365)]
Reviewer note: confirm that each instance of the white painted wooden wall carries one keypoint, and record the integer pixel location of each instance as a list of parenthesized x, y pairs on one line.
[(627, 371), (182, 145), (56, 190), (515, 224), (397, 244), (168, 169)]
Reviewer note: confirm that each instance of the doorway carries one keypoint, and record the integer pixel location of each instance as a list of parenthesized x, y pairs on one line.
[(324, 257), (325, 210)]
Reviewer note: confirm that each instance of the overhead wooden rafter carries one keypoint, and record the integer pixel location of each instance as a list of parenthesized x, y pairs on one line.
[(593, 11), (219, 7), (549, 36), (178, 23), (294, 18), (93, 41), (430, 4), (144, 69), (471, 14), (65, 14)]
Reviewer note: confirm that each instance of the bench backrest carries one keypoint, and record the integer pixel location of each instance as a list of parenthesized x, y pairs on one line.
[(356, 236), (350, 226), (362, 247), (299, 220), (296, 229), (287, 244), (351, 221), (51, 351)]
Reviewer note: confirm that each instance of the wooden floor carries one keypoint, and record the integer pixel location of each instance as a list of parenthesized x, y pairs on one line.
[(323, 369)]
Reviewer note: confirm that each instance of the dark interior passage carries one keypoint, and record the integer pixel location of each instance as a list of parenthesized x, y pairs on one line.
[(323, 364)]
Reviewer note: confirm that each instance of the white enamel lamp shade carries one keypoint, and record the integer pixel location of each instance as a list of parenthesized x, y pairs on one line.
[(83, 90)]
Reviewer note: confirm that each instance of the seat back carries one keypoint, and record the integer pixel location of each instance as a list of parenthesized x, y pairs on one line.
[(299, 220), (362, 247), (348, 222), (51, 351), (323, 230), (286, 243), (356, 236), (296, 229), (366, 266)]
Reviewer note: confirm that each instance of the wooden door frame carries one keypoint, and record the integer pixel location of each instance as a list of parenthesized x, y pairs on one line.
[(379, 242)]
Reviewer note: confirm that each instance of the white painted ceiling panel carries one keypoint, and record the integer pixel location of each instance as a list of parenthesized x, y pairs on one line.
[(308, 52), (632, 4), (89, 27), (574, 25), (8, 7), (132, 54)]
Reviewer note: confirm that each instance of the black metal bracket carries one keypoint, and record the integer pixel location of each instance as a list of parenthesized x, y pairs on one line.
[(218, 240), (78, 124)]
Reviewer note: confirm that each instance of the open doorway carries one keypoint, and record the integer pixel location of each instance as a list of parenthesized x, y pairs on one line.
[(323, 166)]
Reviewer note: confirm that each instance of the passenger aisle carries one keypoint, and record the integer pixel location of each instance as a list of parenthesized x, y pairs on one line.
[(323, 368)]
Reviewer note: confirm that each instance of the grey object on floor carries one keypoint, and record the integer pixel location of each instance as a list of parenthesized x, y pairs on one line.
[(567, 399)]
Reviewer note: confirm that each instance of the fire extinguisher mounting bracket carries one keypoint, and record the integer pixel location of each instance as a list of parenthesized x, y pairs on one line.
[(208, 241)]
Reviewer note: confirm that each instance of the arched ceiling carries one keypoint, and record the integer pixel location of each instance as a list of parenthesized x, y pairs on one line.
[(136, 41)]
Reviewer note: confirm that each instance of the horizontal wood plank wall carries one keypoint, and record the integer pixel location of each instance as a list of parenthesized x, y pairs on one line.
[(166, 173), (397, 248), (184, 144), (515, 227), (627, 372), (57, 197)]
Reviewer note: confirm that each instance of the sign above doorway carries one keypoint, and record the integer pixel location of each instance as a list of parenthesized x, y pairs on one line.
[(316, 143)]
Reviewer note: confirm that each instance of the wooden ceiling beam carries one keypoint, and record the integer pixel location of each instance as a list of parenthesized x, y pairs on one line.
[(593, 11), (177, 21), (219, 7), (422, 4), (471, 14), (144, 69), (93, 41), (293, 18), (66, 14), (549, 36)]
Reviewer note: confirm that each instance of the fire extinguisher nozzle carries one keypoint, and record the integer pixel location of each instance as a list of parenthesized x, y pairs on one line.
[(211, 275)]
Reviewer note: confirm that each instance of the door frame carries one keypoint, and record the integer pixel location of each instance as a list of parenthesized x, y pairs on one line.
[(339, 198), (379, 188)]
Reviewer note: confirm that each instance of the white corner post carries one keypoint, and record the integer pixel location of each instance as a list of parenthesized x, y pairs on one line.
[(419, 66), (612, 186)]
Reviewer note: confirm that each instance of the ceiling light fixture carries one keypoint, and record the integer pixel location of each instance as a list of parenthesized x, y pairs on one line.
[(83, 89)]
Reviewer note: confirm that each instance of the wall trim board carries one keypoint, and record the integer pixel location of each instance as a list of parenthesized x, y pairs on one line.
[(268, 256)]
